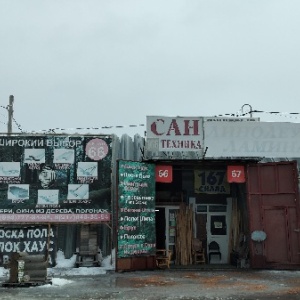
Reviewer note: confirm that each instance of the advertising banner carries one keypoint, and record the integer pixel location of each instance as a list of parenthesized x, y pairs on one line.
[(136, 209), (32, 240), (55, 178)]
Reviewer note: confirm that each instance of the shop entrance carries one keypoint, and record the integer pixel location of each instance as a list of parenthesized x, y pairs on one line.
[(212, 226), (166, 228)]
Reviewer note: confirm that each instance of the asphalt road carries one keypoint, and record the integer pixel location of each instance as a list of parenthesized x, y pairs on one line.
[(165, 285)]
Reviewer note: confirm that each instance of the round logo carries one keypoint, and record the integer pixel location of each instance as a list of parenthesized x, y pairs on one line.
[(96, 149)]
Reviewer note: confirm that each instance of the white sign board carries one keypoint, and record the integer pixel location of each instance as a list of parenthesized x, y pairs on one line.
[(230, 119), (176, 133), (252, 139)]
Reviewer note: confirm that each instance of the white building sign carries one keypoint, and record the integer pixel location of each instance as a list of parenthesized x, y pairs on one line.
[(176, 133), (252, 139)]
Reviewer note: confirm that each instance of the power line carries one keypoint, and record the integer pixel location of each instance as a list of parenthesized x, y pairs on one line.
[(294, 115), (89, 128), (18, 125), (250, 112)]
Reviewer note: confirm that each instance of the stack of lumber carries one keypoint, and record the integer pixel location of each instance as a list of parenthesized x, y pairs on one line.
[(184, 235), (88, 240), (235, 227), (88, 247)]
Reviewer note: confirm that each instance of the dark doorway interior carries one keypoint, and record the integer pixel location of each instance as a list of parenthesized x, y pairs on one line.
[(160, 228)]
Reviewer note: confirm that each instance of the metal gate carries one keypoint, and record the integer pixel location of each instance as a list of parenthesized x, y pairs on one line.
[(273, 207)]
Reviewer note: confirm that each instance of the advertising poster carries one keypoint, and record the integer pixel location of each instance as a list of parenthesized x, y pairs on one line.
[(32, 240), (55, 178), (136, 209)]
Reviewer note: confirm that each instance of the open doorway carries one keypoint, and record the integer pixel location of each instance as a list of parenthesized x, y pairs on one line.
[(212, 224), (166, 228)]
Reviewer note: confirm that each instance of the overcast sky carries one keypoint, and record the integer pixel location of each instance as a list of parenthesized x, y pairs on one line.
[(94, 63)]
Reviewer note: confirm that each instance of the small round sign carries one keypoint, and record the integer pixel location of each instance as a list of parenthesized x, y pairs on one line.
[(96, 149), (258, 236)]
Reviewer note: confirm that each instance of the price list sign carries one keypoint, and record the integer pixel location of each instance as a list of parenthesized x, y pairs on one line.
[(136, 209)]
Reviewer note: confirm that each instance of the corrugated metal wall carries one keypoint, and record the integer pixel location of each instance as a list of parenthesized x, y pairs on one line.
[(273, 203)]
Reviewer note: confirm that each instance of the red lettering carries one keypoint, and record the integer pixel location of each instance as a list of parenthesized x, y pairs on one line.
[(174, 126), (154, 127), (187, 128)]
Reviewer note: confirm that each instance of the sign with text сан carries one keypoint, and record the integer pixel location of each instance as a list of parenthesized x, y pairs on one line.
[(177, 133), (136, 209), (55, 179)]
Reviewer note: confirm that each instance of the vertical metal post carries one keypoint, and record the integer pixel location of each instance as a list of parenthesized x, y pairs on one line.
[(10, 110)]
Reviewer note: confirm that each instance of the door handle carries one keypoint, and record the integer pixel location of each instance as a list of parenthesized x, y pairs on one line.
[(297, 229)]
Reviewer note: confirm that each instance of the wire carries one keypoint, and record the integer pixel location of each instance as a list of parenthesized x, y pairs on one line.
[(18, 125), (293, 115), (89, 128)]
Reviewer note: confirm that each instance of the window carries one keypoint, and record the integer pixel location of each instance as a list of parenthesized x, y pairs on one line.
[(217, 208), (201, 208), (218, 225)]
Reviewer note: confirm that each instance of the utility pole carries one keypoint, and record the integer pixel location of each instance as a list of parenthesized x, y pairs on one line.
[(10, 109)]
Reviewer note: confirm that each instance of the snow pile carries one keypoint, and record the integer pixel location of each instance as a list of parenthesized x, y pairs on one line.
[(109, 261), (62, 262), (4, 272), (66, 267), (57, 282)]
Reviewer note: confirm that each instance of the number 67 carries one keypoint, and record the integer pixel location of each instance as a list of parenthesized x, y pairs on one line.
[(235, 173)]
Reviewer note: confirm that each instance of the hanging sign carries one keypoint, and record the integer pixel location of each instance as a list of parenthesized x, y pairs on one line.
[(236, 174), (211, 182), (164, 174)]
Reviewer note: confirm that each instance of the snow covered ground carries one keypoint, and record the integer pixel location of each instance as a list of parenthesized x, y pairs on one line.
[(66, 267)]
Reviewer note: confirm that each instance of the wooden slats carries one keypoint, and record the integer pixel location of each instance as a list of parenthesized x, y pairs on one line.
[(184, 235)]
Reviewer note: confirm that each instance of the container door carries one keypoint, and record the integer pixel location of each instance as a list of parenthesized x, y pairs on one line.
[(273, 208)]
